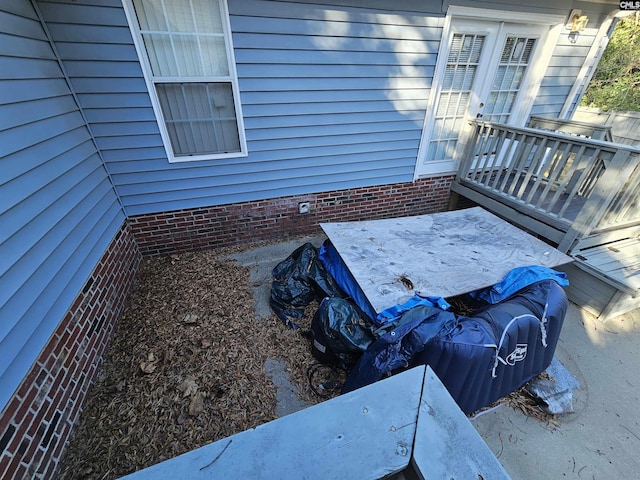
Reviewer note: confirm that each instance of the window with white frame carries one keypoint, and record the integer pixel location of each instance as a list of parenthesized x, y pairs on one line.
[(185, 49)]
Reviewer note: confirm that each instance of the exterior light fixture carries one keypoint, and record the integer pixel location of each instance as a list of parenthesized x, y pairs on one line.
[(576, 23)]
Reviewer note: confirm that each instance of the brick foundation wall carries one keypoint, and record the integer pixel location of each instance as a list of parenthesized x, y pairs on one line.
[(37, 421), (278, 218)]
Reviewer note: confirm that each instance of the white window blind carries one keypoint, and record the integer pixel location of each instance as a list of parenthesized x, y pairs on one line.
[(187, 50), (457, 83), (514, 61)]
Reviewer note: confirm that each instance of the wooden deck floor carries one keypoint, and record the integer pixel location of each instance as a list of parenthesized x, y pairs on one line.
[(618, 260)]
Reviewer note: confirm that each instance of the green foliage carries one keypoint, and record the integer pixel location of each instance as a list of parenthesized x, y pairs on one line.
[(616, 83)]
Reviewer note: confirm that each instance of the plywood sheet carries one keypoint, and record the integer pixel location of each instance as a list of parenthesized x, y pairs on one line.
[(442, 254)]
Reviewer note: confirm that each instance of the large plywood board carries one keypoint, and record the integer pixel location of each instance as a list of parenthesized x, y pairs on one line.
[(442, 254)]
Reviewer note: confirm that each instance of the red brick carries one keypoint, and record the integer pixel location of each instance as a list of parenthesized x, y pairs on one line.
[(48, 454), (8, 413), (19, 473), (27, 382), (35, 461), (62, 441), (5, 460), (51, 469), (31, 452)]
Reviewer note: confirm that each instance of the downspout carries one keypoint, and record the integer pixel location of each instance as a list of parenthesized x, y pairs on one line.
[(77, 102)]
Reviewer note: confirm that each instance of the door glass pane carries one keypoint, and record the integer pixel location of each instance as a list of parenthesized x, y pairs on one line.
[(515, 57), (453, 102)]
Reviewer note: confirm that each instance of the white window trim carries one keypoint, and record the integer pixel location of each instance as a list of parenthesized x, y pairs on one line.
[(506, 16), (422, 169), (155, 102)]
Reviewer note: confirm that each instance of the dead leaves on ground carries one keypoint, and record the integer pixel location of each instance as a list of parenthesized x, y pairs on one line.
[(185, 367)]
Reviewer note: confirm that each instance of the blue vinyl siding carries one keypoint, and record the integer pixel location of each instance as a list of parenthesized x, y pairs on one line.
[(332, 97), (58, 209), (566, 62)]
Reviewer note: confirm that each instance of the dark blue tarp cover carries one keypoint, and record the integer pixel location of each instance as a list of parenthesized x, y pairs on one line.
[(333, 263), (479, 359), (517, 279), (395, 349)]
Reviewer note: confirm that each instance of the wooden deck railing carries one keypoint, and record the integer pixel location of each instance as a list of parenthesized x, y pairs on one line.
[(576, 184)]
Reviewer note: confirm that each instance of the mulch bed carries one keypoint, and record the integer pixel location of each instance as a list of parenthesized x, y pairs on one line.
[(185, 367)]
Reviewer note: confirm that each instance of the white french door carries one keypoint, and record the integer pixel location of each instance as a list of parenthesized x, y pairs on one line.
[(488, 70)]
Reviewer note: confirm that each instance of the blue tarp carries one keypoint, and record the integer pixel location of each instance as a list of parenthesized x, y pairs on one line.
[(517, 279), (404, 332), (333, 263), (395, 349)]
